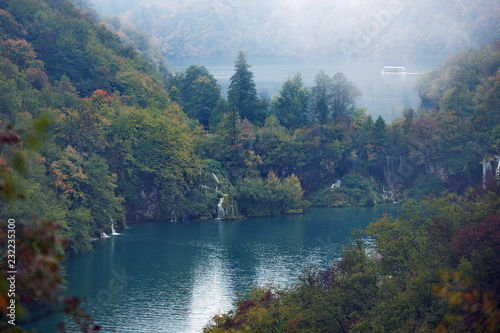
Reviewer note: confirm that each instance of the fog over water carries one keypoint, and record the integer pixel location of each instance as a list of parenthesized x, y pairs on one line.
[(386, 95)]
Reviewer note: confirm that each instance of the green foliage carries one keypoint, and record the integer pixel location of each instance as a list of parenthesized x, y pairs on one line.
[(70, 43), (353, 190), (425, 185), (291, 104), (116, 146), (198, 93), (272, 196)]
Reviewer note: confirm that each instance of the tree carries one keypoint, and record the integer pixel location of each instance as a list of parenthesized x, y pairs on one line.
[(292, 195), (344, 96), (290, 106), (199, 92), (242, 94), (221, 108), (333, 98), (379, 136), (321, 98)]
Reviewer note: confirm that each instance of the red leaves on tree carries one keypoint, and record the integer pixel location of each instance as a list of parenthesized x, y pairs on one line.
[(477, 236)]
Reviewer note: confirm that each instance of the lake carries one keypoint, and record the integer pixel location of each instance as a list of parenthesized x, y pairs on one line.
[(173, 277), (385, 95)]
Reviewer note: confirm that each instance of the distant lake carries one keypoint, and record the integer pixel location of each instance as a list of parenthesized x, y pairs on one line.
[(386, 95), (173, 277)]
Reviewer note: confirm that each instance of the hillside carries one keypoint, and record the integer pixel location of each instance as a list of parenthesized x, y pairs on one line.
[(311, 28), (100, 104)]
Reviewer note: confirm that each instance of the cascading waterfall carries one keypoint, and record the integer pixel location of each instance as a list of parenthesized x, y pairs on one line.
[(373, 196), (217, 181), (487, 170), (497, 171), (389, 172), (215, 177), (113, 231), (220, 209)]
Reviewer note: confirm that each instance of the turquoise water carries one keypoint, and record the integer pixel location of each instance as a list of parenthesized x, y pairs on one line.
[(173, 277)]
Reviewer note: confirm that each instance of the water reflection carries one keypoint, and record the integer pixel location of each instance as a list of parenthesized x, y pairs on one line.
[(211, 292)]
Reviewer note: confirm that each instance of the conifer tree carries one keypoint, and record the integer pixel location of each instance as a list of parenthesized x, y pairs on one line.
[(242, 94)]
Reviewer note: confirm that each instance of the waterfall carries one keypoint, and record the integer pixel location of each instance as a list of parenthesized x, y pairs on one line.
[(497, 171), (337, 184), (374, 196), (173, 218), (387, 194), (354, 156), (220, 209), (215, 177), (217, 180), (487, 170), (113, 231), (104, 235)]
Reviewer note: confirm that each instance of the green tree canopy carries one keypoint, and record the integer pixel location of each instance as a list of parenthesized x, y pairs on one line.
[(291, 104), (199, 92)]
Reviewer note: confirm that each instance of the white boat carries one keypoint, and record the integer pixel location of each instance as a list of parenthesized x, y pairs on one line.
[(393, 70)]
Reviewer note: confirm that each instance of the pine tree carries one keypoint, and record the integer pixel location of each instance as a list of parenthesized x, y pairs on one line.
[(379, 132), (321, 98), (242, 94)]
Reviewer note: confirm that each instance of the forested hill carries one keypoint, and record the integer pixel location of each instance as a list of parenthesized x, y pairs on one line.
[(111, 127), (311, 27), (95, 131)]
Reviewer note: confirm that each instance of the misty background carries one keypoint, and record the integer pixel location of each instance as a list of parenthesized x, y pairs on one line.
[(309, 27)]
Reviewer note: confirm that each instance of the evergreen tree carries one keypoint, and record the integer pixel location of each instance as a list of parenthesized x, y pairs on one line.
[(321, 98), (242, 94), (290, 106), (379, 132)]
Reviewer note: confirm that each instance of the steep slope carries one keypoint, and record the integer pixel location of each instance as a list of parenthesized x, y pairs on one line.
[(115, 143)]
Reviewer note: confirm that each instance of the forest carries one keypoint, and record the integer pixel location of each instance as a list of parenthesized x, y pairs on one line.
[(95, 131)]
